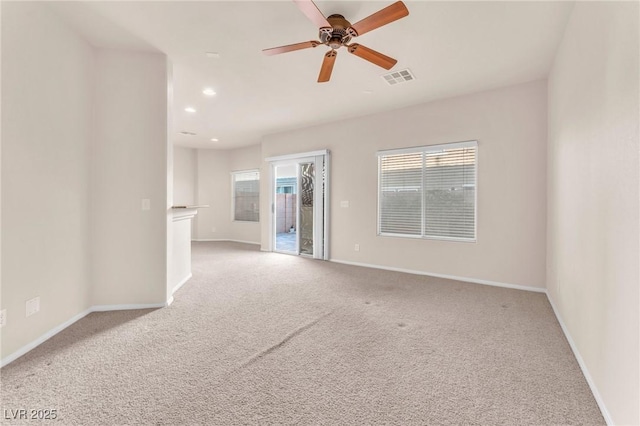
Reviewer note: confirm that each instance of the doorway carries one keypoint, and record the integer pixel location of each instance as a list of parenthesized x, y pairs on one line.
[(286, 208), (299, 204)]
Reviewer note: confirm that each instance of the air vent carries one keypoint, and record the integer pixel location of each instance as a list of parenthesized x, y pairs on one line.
[(398, 77), (184, 132)]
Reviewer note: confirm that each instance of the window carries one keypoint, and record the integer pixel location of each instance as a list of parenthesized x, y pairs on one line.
[(246, 195), (286, 189), (428, 192)]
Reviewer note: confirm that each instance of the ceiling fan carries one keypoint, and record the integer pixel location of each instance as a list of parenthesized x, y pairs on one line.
[(335, 31)]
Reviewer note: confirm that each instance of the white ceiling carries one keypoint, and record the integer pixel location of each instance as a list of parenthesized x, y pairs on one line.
[(451, 47)]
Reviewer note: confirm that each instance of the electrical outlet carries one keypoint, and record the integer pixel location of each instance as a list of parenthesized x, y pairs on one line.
[(357, 247), (3, 318), (33, 306)]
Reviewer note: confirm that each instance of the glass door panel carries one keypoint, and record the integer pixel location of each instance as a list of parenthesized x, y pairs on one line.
[(286, 209), (307, 190)]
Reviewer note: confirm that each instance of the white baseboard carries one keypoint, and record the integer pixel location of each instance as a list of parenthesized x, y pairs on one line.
[(104, 308), (574, 348), (107, 308), (180, 284), (49, 334), (227, 240), (449, 277), (583, 366), (40, 340)]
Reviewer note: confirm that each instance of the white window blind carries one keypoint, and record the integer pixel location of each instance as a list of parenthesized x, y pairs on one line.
[(246, 195), (428, 192)]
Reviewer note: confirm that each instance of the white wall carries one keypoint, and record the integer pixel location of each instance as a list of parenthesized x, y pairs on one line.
[(214, 189), (84, 135), (47, 90), (510, 126), (593, 184), (185, 173), (129, 159)]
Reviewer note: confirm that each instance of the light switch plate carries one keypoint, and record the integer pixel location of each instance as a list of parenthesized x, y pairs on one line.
[(344, 203), (32, 306), (146, 204)]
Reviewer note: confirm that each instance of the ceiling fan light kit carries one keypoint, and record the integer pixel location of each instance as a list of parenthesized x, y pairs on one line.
[(336, 31)]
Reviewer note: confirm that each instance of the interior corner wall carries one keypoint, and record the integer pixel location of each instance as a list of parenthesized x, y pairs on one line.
[(510, 127), (593, 198), (185, 173), (47, 91), (129, 161), (214, 189), (172, 239)]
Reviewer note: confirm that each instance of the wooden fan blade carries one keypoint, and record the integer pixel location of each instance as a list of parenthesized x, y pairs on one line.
[(327, 66), (310, 9), (290, 47), (372, 56), (382, 17)]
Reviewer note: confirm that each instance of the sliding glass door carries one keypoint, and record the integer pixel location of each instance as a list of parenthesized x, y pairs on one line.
[(299, 205)]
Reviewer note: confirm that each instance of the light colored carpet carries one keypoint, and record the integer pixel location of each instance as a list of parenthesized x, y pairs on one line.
[(263, 338)]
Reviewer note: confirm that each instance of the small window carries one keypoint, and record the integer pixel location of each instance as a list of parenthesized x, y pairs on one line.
[(286, 189), (428, 192), (246, 195)]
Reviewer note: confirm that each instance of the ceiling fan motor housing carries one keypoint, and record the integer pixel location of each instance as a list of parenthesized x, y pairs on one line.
[(336, 35)]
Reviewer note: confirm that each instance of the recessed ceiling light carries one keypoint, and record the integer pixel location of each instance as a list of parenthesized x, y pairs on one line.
[(367, 92), (186, 133), (208, 91), (190, 109), (214, 55), (214, 139)]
